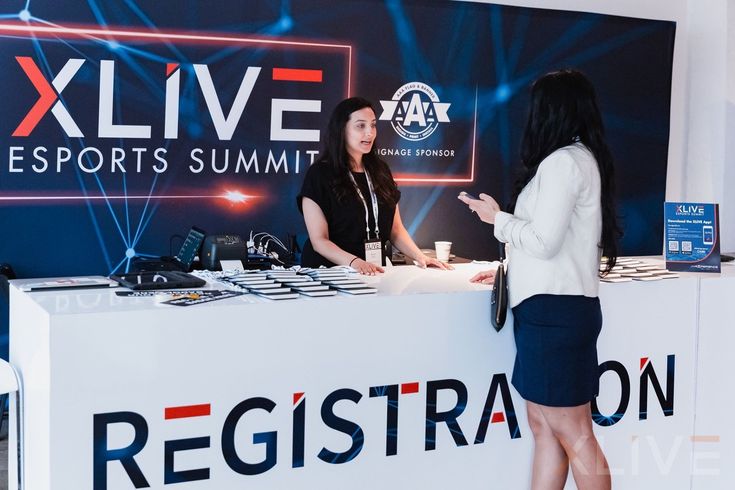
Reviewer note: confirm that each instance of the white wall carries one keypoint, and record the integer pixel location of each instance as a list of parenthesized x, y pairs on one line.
[(706, 176), (701, 155), (728, 183)]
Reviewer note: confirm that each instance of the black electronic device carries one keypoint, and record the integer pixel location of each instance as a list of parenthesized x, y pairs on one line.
[(190, 248), (468, 195), (223, 247), (181, 262), (143, 281)]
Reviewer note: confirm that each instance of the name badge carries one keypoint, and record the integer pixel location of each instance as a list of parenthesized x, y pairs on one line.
[(374, 252)]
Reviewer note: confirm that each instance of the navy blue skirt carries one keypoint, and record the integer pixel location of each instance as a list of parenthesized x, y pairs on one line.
[(556, 342)]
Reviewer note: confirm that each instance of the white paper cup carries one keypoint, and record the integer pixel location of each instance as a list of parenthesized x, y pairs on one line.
[(442, 250)]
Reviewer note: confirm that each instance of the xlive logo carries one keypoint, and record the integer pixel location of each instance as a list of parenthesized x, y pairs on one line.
[(225, 121)]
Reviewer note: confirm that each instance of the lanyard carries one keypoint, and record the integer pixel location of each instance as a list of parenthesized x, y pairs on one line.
[(374, 200)]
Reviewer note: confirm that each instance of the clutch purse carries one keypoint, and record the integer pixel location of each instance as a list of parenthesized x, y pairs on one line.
[(499, 296)]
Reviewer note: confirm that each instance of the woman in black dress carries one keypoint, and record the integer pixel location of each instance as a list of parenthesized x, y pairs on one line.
[(561, 220), (343, 193)]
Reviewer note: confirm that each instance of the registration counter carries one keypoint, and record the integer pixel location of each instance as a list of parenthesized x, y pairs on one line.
[(407, 388)]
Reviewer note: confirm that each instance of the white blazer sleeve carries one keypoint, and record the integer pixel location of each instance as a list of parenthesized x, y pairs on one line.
[(541, 236)]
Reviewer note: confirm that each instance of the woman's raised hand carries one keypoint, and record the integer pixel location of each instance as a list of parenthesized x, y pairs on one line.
[(486, 207)]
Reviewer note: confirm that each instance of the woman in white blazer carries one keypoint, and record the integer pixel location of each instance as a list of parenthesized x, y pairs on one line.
[(560, 222)]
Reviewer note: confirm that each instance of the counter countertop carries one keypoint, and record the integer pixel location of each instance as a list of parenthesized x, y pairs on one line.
[(396, 281)]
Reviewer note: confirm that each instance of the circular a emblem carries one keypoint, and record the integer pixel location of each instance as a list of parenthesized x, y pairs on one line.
[(414, 111)]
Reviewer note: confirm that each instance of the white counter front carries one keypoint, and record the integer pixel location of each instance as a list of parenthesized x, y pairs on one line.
[(408, 388)]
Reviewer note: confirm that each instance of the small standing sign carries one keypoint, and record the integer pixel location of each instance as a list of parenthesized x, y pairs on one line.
[(692, 234)]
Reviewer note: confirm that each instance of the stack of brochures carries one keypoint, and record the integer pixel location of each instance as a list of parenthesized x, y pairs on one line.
[(628, 269), (280, 284)]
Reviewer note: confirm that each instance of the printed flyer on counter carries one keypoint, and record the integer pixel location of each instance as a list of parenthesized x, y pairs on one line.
[(692, 236)]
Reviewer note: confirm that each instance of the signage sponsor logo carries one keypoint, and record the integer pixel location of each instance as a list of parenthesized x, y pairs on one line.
[(415, 111), (427, 146)]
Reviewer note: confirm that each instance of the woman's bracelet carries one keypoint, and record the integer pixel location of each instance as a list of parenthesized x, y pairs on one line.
[(351, 261)]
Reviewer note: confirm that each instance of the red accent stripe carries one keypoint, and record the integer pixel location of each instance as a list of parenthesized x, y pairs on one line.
[(296, 75), (44, 103), (187, 411), (497, 417), (644, 360), (408, 388), (297, 397), (170, 68)]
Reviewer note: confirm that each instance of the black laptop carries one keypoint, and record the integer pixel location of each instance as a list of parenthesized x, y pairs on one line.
[(145, 281)]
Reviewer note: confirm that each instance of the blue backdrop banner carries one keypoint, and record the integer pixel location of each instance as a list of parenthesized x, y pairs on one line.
[(125, 122)]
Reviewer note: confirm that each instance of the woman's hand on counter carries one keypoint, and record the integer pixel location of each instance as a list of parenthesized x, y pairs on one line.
[(484, 277), (366, 268), (425, 261)]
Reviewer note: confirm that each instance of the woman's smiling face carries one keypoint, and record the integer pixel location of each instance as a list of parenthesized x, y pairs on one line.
[(360, 133)]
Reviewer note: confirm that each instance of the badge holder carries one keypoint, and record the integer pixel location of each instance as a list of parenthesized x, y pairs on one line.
[(374, 252)]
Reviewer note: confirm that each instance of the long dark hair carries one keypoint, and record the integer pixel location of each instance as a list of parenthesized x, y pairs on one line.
[(564, 110), (335, 153)]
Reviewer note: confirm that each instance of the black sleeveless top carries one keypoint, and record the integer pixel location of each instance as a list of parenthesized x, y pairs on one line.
[(346, 218)]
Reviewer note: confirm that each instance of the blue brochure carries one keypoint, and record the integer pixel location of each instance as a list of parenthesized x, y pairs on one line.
[(692, 234)]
